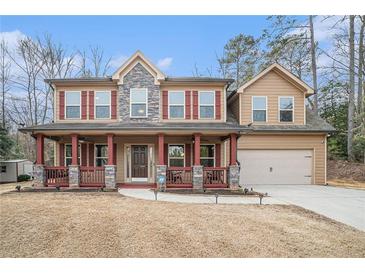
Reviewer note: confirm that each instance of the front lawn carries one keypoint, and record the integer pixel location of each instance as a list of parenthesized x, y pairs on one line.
[(110, 225)]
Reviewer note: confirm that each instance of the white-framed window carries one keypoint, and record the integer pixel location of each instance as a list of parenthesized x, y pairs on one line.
[(259, 108), (176, 155), (176, 104), (102, 104), (101, 154), (206, 104), (207, 155), (138, 102), (286, 109), (68, 154), (3, 169), (73, 104)]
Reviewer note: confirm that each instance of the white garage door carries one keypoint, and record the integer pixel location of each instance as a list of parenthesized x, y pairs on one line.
[(275, 166)]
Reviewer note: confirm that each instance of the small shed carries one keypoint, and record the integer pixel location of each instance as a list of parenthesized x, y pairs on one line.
[(11, 169)]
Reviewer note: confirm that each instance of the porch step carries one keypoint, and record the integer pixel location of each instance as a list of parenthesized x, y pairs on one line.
[(129, 185)]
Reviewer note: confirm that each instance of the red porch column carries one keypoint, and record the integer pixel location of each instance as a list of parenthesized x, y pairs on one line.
[(75, 149), (40, 149), (233, 146), (110, 149), (161, 152), (197, 149)]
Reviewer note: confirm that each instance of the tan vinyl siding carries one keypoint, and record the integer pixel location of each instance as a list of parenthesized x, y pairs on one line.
[(315, 142), (273, 86), (191, 88), (81, 88)]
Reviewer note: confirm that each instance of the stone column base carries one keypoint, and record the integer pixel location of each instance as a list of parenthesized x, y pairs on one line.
[(73, 176), (234, 177), (110, 176), (39, 175), (161, 177), (198, 177)]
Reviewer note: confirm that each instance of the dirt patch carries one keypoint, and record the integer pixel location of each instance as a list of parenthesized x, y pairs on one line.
[(5, 187), (110, 225), (346, 171)]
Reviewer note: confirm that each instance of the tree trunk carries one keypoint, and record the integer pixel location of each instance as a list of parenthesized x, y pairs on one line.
[(360, 75), (351, 107), (314, 64)]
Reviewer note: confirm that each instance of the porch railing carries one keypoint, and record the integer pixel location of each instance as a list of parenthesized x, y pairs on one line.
[(179, 177), (56, 176), (92, 176), (215, 177)]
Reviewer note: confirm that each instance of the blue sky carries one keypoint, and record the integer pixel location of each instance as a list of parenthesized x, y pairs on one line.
[(176, 43)]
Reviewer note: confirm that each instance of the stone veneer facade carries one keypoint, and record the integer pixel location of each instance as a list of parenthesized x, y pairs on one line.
[(198, 177), (110, 176), (234, 177), (139, 77), (161, 177), (73, 176)]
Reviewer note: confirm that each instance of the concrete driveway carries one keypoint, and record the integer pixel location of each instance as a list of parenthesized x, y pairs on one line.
[(341, 204)]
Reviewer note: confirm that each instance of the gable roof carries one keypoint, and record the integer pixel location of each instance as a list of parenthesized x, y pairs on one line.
[(138, 57), (284, 73)]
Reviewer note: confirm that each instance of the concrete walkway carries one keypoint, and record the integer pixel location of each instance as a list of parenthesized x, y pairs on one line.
[(147, 194)]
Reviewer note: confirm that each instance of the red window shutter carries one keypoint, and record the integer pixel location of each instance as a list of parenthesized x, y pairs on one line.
[(218, 110), (114, 104), (62, 105), (83, 154), (195, 105), (62, 155), (91, 154), (165, 104), (188, 155), (166, 154), (91, 105), (83, 105), (217, 155), (187, 105), (115, 154)]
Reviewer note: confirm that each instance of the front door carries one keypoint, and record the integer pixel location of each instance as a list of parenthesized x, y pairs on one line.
[(139, 163)]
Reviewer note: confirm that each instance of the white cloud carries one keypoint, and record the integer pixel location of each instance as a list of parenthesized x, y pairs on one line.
[(117, 61), (12, 38), (164, 63)]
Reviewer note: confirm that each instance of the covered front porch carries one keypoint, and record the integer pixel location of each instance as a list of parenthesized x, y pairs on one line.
[(156, 160)]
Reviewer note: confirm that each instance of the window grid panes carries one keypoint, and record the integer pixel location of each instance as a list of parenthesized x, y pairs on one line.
[(206, 104), (176, 155), (68, 155), (259, 109), (176, 104), (138, 98), (207, 155), (72, 105), (101, 155), (102, 105), (286, 106)]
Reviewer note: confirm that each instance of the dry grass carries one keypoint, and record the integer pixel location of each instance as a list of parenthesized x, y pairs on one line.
[(346, 184), (5, 187), (110, 225)]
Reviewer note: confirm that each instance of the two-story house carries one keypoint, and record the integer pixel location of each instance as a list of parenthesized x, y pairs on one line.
[(142, 128)]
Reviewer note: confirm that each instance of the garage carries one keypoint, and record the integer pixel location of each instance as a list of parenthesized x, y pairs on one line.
[(278, 166)]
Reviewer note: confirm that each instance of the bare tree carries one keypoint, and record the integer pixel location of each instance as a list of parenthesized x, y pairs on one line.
[(93, 63), (360, 81), (314, 64), (5, 69), (351, 107)]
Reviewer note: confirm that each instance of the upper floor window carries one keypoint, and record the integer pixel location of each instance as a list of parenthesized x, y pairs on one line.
[(176, 155), (206, 104), (102, 104), (176, 104), (259, 105), (286, 107), (73, 100), (207, 155), (138, 102), (101, 155)]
